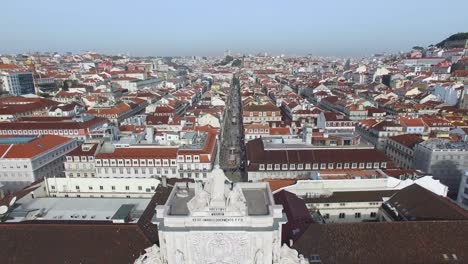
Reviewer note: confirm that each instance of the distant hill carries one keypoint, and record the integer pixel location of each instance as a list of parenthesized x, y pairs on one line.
[(458, 36)]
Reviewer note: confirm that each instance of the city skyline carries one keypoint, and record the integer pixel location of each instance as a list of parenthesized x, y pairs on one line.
[(207, 28)]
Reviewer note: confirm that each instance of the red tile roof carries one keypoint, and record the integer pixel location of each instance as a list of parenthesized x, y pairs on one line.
[(33, 148), (408, 140)]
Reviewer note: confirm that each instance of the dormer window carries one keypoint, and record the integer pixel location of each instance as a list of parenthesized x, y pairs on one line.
[(261, 167)]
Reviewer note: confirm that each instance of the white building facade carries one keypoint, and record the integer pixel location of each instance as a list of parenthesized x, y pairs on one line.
[(215, 224)]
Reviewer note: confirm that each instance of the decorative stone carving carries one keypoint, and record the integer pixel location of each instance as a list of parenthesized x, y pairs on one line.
[(152, 256), (275, 250), (219, 248), (259, 257), (236, 201), (290, 256), (200, 201), (179, 257)]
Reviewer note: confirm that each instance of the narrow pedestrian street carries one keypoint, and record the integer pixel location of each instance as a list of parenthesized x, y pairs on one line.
[(232, 154)]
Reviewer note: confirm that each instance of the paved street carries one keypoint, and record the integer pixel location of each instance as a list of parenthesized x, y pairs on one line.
[(232, 153)]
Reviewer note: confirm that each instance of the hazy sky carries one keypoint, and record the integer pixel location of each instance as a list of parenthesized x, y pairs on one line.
[(208, 27)]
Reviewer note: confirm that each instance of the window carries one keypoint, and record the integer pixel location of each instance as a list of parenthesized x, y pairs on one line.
[(315, 259), (373, 214), (140, 188), (307, 167), (277, 167), (330, 165), (101, 187), (339, 165), (113, 188), (269, 167), (262, 167), (323, 166), (77, 187), (346, 165), (361, 165), (315, 166), (354, 165), (326, 216), (342, 204), (127, 188), (285, 166), (342, 215), (90, 188), (300, 167), (292, 166), (357, 215)]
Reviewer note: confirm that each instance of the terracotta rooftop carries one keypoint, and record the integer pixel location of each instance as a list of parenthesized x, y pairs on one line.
[(415, 203), (33, 148), (408, 140), (426, 242), (71, 243)]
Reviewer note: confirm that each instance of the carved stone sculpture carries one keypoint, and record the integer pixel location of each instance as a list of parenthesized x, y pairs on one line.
[(152, 256)]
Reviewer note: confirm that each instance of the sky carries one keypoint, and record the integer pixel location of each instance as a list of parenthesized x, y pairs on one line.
[(209, 27)]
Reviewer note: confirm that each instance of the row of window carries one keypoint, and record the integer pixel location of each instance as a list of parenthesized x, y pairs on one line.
[(195, 175), (315, 166), (41, 131), (188, 158), (356, 215), (344, 204), (335, 124), (112, 188), (135, 171), (258, 130), (80, 158), (262, 114), (135, 162)]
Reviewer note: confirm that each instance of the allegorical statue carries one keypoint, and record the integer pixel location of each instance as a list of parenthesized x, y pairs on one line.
[(179, 257), (200, 200), (152, 256), (236, 201), (259, 257)]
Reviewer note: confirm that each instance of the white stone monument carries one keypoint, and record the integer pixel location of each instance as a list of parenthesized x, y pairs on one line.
[(219, 222)]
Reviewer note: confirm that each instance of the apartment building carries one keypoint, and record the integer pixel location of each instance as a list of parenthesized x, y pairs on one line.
[(261, 113), (401, 149), (27, 159), (281, 162), (444, 159)]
